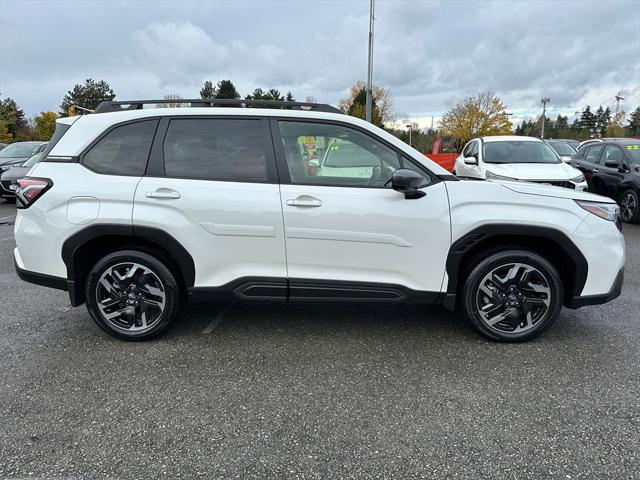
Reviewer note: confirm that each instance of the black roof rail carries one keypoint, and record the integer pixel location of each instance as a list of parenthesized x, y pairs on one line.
[(113, 106)]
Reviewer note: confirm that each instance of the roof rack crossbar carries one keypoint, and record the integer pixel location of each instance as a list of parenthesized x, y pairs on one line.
[(117, 106)]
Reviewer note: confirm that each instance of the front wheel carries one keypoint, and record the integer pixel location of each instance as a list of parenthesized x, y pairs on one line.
[(132, 295), (513, 295), (629, 207)]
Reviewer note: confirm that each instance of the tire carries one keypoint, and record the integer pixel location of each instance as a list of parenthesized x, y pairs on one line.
[(514, 309), (136, 308), (629, 206)]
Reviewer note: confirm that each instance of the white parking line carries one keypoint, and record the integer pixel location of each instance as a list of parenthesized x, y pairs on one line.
[(6, 238), (6, 218), (217, 319)]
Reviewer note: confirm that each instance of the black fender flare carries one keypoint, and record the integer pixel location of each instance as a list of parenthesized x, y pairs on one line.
[(484, 233)]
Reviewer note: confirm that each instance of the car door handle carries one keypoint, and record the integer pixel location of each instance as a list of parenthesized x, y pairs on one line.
[(595, 170), (163, 193), (304, 201)]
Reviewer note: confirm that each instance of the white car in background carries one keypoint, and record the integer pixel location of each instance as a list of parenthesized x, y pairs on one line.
[(518, 158)]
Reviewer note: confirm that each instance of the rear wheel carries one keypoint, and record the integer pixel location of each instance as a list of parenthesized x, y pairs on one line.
[(629, 206), (132, 295), (513, 296)]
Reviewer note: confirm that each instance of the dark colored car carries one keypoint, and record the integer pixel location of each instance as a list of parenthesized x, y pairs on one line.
[(18, 153), (2, 145), (612, 169), (562, 148), (9, 179), (571, 142)]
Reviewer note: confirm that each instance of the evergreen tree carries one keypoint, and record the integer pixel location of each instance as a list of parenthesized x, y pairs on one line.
[(226, 89), (87, 95), (289, 97), (208, 90), (634, 122), (587, 119), (14, 120)]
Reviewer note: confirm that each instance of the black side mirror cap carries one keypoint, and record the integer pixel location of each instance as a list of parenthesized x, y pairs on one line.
[(408, 182), (611, 164)]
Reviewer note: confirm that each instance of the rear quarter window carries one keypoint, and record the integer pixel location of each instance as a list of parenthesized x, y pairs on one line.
[(124, 150)]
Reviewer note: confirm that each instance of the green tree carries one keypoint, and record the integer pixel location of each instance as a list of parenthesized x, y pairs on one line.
[(289, 97), (484, 114), (615, 128), (5, 136), (86, 95), (257, 94), (14, 120), (45, 125), (226, 89), (355, 103), (634, 122), (208, 90), (587, 119)]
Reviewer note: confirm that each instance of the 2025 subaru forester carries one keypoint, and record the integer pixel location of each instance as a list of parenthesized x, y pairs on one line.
[(135, 210)]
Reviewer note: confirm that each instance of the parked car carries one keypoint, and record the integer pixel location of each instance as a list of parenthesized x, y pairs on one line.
[(137, 210), (516, 158), (563, 149), (9, 179), (612, 169), (571, 142), (2, 145), (18, 153)]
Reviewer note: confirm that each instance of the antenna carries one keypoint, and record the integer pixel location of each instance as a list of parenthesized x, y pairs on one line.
[(619, 98)]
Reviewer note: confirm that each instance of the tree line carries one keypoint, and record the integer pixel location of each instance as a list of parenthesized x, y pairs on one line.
[(479, 115)]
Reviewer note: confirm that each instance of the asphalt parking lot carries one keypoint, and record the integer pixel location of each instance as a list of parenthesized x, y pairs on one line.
[(315, 391)]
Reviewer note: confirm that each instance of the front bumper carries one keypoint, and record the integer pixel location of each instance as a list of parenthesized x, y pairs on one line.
[(586, 300)]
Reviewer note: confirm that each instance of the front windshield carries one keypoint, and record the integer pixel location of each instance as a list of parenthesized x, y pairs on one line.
[(562, 148), (19, 150), (33, 160), (633, 149), (517, 151)]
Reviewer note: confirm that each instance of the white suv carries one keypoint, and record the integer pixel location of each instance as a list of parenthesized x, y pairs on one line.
[(135, 210), (517, 158)]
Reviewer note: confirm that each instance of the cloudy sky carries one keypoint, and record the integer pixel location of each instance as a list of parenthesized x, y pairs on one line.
[(431, 54)]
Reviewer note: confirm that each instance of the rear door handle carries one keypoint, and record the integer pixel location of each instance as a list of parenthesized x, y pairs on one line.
[(163, 193), (304, 201)]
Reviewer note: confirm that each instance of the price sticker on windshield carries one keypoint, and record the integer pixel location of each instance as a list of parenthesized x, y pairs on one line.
[(633, 147)]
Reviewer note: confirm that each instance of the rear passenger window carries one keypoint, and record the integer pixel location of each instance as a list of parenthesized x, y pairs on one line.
[(593, 153), (123, 151), (216, 149)]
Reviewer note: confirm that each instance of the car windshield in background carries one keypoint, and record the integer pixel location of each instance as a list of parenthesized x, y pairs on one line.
[(33, 160), (518, 152), (633, 149), (19, 150), (562, 148)]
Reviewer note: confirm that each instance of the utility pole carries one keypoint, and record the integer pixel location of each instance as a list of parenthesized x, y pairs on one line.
[(544, 102), (369, 115), (619, 98), (410, 128)]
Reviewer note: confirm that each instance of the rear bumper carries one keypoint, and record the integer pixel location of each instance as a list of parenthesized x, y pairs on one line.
[(583, 301), (41, 278)]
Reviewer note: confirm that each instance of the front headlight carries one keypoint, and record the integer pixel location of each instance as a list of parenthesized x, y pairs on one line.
[(493, 176), (578, 179), (608, 211)]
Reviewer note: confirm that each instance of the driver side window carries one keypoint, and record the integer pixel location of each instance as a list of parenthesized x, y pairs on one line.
[(335, 155)]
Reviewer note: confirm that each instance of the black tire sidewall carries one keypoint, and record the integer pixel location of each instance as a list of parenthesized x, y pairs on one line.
[(172, 292), (513, 256)]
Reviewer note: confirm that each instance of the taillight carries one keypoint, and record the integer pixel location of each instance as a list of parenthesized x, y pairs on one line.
[(30, 189)]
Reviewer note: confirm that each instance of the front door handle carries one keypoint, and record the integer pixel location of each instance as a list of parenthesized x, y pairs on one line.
[(163, 193), (304, 201), (595, 170)]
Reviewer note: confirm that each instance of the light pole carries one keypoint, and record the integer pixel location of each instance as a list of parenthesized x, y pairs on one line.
[(368, 113), (409, 127), (544, 102)]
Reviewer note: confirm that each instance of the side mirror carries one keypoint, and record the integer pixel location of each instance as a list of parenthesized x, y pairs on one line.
[(611, 164), (471, 160), (408, 182)]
